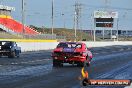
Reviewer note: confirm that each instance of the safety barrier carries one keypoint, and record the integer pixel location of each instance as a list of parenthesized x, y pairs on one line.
[(107, 43), (36, 45)]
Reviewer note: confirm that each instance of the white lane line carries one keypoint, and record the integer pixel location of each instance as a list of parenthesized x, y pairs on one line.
[(34, 61), (24, 62), (114, 51), (121, 49), (32, 71), (95, 53), (114, 73), (128, 48), (14, 63), (104, 52)]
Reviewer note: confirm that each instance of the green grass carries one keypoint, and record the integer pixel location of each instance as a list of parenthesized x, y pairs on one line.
[(5, 35), (68, 33)]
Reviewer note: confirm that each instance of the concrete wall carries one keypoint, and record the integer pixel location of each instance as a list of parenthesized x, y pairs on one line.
[(36, 46), (108, 43)]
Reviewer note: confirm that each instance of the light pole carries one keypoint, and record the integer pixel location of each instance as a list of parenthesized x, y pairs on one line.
[(23, 16), (117, 28), (75, 28), (63, 19), (94, 30), (52, 17)]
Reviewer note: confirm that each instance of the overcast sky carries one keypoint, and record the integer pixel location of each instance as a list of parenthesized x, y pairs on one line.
[(38, 12)]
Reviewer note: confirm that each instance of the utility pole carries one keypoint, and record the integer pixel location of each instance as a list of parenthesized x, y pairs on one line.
[(77, 17), (78, 8), (93, 27), (107, 2), (94, 31), (117, 28), (75, 34), (52, 18), (23, 16)]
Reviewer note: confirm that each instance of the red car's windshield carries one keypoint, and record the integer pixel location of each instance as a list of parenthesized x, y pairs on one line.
[(69, 45)]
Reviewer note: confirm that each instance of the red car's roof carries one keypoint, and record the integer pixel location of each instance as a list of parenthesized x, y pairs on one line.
[(72, 42)]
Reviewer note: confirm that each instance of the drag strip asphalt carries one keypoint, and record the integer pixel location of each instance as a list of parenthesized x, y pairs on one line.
[(34, 69)]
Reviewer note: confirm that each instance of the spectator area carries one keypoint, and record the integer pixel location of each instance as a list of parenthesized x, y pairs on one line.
[(16, 26)]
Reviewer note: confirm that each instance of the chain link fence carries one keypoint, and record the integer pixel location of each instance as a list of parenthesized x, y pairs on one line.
[(5, 35), (43, 36)]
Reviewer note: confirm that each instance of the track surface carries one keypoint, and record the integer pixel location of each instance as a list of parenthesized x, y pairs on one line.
[(34, 69)]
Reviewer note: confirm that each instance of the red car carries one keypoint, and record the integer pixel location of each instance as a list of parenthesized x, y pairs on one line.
[(72, 53)]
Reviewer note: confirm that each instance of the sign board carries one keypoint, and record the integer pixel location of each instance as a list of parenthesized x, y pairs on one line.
[(105, 14), (104, 19), (7, 7), (108, 25)]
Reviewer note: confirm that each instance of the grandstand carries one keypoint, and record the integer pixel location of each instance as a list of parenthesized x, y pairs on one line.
[(10, 25), (10, 28)]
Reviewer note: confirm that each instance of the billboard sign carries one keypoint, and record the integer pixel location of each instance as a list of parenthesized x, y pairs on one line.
[(7, 7), (105, 14), (108, 25)]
